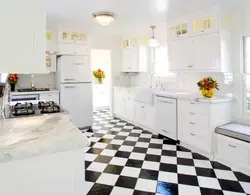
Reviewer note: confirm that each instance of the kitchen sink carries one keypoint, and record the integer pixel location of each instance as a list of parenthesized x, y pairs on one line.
[(145, 96)]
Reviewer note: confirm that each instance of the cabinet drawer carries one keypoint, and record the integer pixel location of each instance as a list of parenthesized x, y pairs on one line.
[(170, 134), (196, 128), (228, 147), (197, 108), (195, 118), (197, 140)]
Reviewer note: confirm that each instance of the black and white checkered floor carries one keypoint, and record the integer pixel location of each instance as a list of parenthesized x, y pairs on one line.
[(126, 160)]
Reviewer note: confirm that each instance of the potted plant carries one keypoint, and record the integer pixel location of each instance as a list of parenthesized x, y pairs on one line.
[(207, 86), (13, 80), (99, 74)]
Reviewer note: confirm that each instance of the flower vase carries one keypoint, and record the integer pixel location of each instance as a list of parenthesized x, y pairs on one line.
[(12, 87), (207, 93), (99, 80)]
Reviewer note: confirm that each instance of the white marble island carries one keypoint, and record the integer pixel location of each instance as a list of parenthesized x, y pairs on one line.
[(41, 155)]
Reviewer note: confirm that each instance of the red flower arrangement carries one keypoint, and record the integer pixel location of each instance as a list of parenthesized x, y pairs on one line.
[(13, 79)]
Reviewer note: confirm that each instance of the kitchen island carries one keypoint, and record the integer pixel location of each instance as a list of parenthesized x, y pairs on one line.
[(42, 155)]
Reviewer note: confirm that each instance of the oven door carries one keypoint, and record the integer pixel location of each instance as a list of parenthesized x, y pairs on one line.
[(24, 98)]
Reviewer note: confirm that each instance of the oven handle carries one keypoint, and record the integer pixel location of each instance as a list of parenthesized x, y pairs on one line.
[(23, 99)]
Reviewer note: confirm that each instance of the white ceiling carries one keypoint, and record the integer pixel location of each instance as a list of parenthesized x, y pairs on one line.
[(129, 12)]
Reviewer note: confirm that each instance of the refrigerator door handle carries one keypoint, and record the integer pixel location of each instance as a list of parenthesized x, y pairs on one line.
[(69, 79)]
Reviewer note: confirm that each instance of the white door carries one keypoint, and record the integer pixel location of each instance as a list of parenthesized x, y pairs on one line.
[(77, 100), (166, 117), (181, 55), (207, 50), (130, 60), (75, 69)]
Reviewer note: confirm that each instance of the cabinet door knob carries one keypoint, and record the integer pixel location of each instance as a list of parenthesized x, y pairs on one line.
[(192, 123), (192, 134), (142, 107), (192, 113), (232, 146)]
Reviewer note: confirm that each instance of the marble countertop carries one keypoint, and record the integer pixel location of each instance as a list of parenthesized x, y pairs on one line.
[(34, 92), (23, 138)]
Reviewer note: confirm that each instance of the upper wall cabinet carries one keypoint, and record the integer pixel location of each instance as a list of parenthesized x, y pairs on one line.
[(180, 30), (65, 36), (135, 59), (22, 36), (51, 41), (205, 24)]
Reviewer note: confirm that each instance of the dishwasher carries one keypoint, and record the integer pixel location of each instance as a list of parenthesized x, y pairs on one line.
[(166, 116)]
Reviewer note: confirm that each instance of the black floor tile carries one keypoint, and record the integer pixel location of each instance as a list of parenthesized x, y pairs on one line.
[(126, 182), (228, 185), (113, 132), (149, 174), (155, 158), (156, 146), (126, 130), (113, 147), (95, 150), (99, 189), (104, 140), (98, 135), (199, 157), (119, 137), (113, 169), (103, 159), (122, 154), (242, 177), (205, 172), (165, 188), (137, 192), (168, 167), (169, 142), (188, 180), (217, 165), (134, 163), (207, 191), (169, 153), (140, 150), (141, 139), (134, 134), (129, 143), (185, 161), (92, 176), (87, 163), (182, 149)]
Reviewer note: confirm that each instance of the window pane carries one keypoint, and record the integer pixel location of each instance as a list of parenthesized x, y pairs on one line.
[(161, 61), (247, 54)]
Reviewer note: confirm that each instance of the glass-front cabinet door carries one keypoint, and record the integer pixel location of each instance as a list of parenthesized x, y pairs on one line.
[(205, 25), (72, 37), (179, 30)]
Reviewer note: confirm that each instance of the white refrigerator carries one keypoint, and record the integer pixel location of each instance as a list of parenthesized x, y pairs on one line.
[(75, 85)]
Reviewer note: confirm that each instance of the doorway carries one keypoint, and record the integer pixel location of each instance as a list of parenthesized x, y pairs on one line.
[(101, 59)]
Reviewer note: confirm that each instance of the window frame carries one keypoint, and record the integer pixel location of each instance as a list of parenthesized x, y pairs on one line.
[(246, 112), (154, 61)]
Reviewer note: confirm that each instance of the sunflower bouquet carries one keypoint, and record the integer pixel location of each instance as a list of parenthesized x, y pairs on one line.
[(207, 86), (99, 74)]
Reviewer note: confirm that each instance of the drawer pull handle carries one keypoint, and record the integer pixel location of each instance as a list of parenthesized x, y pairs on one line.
[(232, 146), (165, 131), (192, 113), (142, 107), (192, 123), (192, 134), (192, 103)]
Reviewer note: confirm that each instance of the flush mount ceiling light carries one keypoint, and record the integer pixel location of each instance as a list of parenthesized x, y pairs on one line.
[(153, 42), (104, 18)]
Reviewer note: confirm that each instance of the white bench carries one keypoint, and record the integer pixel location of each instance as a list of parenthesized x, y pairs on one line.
[(233, 146)]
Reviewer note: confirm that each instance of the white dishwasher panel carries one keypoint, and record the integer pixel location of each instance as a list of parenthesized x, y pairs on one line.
[(166, 117)]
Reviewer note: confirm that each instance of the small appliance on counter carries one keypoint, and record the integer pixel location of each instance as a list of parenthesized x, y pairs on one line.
[(29, 109)]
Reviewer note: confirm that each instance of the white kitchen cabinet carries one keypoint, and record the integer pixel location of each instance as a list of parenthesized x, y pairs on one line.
[(180, 30), (205, 24), (72, 37), (119, 102), (50, 96), (166, 117), (51, 62), (181, 54), (150, 117), (130, 109), (207, 52), (135, 59), (73, 49), (51, 41), (22, 36), (140, 113)]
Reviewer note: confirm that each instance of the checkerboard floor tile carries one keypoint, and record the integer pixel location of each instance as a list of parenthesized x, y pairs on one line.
[(124, 159)]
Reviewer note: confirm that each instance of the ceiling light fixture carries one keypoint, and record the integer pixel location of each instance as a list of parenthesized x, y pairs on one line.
[(104, 18), (153, 42)]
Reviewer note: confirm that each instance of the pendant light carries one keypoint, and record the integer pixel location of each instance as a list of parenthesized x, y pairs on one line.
[(104, 18), (153, 42)]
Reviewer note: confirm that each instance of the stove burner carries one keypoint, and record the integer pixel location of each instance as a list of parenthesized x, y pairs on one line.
[(23, 111), (42, 104), (50, 109), (23, 106)]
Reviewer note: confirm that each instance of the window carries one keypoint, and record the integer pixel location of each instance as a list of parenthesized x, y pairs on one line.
[(161, 61), (246, 71)]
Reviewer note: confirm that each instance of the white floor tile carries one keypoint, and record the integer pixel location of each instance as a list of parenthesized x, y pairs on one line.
[(116, 129), (146, 185), (232, 193), (184, 154), (100, 145), (207, 182), (117, 142), (102, 131), (187, 170), (143, 135), (168, 177), (133, 139), (121, 123), (118, 161), (128, 127), (156, 141), (246, 187), (109, 136), (154, 151), (107, 179), (168, 159), (90, 157), (186, 190), (151, 165), (107, 152), (121, 191), (169, 147), (98, 167), (123, 133), (87, 186), (94, 139), (131, 172), (126, 148), (142, 144), (203, 164), (137, 156), (223, 174), (109, 125), (136, 131)]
